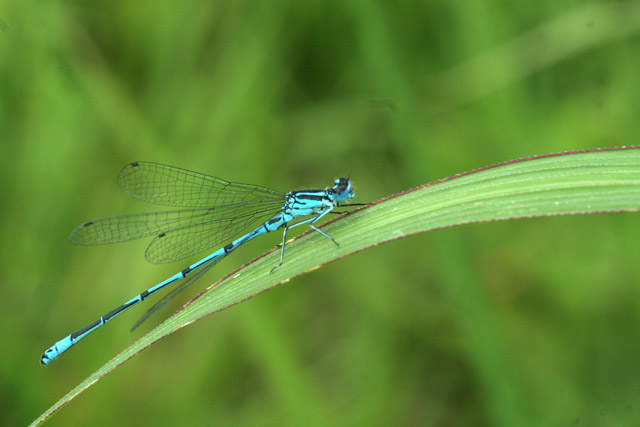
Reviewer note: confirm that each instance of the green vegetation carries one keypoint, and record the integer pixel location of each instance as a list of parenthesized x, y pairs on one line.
[(529, 322)]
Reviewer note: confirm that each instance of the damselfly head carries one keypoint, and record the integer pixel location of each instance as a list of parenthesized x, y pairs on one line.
[(342, 190)]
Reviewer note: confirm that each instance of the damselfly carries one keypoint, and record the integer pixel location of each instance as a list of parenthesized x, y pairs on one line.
[(218, 210)]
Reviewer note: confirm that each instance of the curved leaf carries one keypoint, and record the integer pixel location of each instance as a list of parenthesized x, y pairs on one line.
[(590, 181)]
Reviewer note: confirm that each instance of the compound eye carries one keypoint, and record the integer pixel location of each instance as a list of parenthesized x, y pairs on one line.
[(342, 185)]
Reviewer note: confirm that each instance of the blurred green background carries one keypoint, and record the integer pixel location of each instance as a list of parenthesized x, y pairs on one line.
[(530, 322)]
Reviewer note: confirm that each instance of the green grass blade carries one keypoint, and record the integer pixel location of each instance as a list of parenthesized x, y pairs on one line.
[(593, 181)]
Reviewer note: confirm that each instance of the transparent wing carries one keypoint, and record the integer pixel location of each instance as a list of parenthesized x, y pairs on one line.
[(171, 186), (179, 233), (161, 303), (180, 243)]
